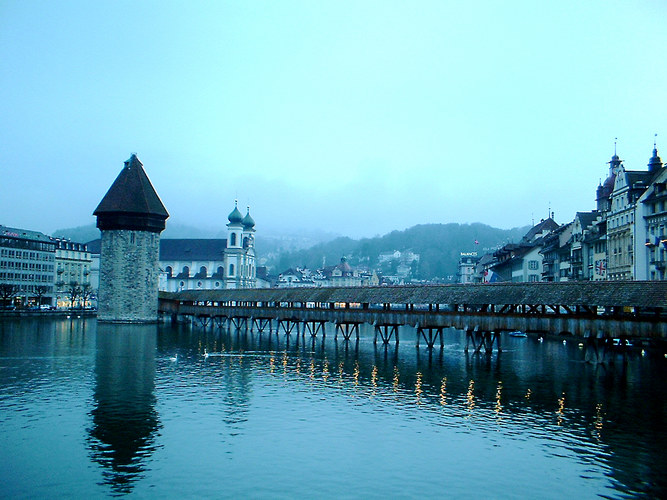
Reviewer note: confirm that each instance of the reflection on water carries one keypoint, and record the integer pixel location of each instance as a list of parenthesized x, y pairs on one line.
[(88, 410), (124, 420)]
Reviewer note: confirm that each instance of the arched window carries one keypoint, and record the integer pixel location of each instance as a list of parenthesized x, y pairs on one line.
[(220, 272), (233, 239), (245, 242), (186, 272), (231, 269), (169, 271)]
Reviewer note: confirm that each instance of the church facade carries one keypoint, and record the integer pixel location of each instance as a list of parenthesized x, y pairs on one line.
[(211, 264)]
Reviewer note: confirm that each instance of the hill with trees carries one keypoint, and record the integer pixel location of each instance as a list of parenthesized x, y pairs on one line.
[(438, 245)]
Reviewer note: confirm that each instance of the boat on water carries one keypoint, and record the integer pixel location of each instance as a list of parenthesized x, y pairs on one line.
[(517, 333)]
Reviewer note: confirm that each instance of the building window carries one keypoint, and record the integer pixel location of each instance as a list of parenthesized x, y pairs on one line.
[(233, 240), (231, 269), (533, 264)]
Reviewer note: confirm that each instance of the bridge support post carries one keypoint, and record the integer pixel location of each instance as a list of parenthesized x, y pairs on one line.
[(261, 324), (314, 327), (386, 333), (288, 326), (239, 322), (346, 330), (433, 333), (220, 321)]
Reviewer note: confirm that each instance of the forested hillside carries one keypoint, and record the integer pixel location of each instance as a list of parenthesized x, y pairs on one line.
[(439, 247)]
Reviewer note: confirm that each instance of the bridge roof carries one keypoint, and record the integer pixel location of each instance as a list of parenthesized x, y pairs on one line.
[(600, 293)]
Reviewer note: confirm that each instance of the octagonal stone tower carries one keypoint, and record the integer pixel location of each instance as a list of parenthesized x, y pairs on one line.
[(131, 217)]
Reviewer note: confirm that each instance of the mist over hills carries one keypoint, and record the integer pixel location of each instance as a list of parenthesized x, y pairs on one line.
[(267, 243), (438, 245)]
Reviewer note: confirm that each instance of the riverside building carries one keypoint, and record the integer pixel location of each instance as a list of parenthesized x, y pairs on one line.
[(27, 267), (73, 272)]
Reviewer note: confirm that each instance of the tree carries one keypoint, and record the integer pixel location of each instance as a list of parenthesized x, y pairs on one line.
[(40, 291), (7, 292), (73, 292), (86, 292)]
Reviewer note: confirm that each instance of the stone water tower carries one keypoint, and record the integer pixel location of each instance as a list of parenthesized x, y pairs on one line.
[(131, 218)]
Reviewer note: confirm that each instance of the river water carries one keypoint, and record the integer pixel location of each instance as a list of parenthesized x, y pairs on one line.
[(91, 411)]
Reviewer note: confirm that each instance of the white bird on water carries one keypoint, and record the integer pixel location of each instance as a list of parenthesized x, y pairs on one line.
[(205, 353), (174, 358)]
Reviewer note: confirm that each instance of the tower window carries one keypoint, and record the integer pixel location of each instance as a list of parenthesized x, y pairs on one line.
[(231, 269), (233, 239)]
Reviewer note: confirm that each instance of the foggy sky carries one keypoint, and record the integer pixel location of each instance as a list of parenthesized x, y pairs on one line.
[(353, 117)]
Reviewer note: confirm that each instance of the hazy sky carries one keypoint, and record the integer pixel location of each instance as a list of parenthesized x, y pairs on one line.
[(354, 117)]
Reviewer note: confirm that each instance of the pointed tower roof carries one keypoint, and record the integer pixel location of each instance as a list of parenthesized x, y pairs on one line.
[(654, 163), (131, 202)]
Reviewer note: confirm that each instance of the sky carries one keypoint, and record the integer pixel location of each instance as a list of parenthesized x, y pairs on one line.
[(351, 117)]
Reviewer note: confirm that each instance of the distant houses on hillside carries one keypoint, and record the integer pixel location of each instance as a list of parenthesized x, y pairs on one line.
[(341, 274)]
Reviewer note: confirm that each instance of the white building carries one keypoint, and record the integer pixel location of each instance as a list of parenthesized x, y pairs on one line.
[(651, 226)]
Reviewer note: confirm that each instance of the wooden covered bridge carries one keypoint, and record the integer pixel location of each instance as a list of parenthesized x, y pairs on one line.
[(597, 311)]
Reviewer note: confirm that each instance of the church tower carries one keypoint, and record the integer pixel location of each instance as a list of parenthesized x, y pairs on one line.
[(131, 218), (234, 253)]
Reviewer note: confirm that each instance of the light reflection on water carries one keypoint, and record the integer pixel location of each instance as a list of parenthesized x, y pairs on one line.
[(88, 410)]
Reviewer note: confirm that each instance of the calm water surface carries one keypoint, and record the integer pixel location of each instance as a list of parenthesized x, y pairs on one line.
[(91, 410)]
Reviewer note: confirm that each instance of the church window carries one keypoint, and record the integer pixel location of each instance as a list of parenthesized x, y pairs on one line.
[(217, 284), (233, 239), (186, 271), (169, 271), (231, 269)]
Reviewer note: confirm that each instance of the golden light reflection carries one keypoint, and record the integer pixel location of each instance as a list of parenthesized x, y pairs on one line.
[(561, 408), (396, 379), (374, 379), (529, 393), (599, 420), (311, 370), (418, 388), (284, 363), (470, 396), (443, 391), (340, 372), (499, 391), (325, 371), (272, 363), (356, 373), (298, 366)]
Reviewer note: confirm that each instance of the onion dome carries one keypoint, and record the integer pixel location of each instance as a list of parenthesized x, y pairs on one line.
[(236, 217), (248, 222), (131, 202)]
